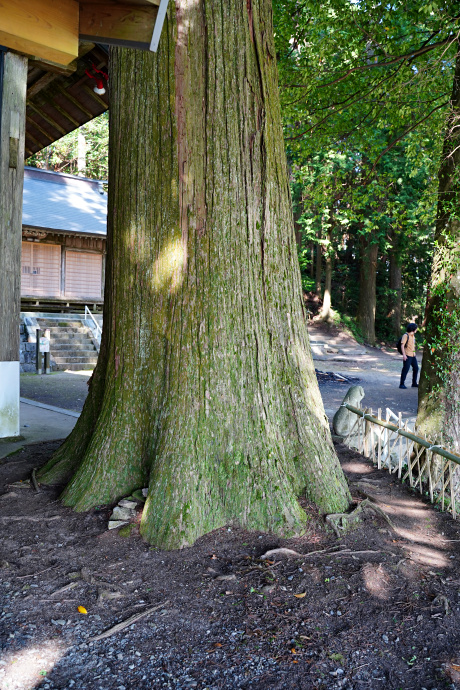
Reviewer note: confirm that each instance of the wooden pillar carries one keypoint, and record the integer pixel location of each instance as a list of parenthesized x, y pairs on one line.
[(13, 84)]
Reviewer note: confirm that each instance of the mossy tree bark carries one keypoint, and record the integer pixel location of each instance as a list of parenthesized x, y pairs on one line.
[(439, 389), (205, 388)]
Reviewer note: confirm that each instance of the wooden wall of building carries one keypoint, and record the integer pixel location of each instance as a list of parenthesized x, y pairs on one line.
[(63, 267)]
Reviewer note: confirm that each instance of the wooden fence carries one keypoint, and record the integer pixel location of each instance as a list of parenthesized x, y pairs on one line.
[(428, 467)]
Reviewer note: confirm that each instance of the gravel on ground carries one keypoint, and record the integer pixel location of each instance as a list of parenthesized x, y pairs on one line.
[(377, 608)]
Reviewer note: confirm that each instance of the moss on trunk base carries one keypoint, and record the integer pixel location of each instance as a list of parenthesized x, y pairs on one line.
[(210, 393)]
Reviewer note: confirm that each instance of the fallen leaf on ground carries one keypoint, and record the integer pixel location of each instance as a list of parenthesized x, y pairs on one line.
[(300, 596), (81, 609)]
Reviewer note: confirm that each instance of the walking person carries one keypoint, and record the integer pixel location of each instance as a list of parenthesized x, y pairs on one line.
[(408, 353)]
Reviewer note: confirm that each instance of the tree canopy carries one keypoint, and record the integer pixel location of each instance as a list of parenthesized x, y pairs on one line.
[(364, 90)]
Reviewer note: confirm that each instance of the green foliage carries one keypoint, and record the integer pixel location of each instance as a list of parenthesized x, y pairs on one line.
[(62, 155), (364, 89)]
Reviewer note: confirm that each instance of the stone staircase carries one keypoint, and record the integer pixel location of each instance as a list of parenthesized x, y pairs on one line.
[(71, 344)]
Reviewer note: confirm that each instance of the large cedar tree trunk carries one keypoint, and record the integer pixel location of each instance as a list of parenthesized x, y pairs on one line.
[(205, 389), (367, 288), (439, 391)]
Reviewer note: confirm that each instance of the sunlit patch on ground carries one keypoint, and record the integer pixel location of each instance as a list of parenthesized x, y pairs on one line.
[(452, 669), (356, 467), (28, 667), (425, 556), (377, 580)]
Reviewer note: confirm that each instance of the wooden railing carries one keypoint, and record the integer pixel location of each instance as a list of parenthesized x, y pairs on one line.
[(428, 467)]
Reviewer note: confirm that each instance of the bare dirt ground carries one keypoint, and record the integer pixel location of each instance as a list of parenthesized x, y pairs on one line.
[(377, 608)]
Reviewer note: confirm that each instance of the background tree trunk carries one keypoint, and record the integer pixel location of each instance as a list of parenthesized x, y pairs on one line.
[(367, 288), (318, 265), (439, 388), (326, 309), (205, 387), (298, 230), (394, 311)]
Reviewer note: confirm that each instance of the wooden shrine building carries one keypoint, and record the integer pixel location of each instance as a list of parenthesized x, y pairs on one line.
[(53, 79), (64, 227)]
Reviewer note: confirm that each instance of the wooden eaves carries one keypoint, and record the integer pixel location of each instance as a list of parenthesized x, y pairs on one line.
[(63, 39), (57, 103)]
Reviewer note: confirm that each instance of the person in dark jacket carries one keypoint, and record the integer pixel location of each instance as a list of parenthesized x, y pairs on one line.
[(408, 352)]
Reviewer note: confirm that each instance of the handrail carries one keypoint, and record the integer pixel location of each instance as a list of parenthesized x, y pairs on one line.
[(402, 432), (98, 328)]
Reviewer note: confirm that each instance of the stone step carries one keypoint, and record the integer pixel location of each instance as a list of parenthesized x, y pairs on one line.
[(74, 360), (68, 354), (70, 346), (322, 348), (57, 323), (77, 367), (68, 329), (70, 338)]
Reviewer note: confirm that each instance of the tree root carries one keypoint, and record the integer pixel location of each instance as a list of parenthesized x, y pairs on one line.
[(289, 553), (34, 480), (125, 624), (441, 600), (341, 523)]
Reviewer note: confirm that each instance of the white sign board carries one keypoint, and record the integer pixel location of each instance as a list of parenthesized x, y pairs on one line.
[(44, 345)]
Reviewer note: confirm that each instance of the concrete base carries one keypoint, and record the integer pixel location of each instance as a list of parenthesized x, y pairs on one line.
[(9, 399), (44, 423)]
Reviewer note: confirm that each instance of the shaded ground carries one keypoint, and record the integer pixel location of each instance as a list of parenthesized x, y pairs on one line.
[(375, 609), (66, 389)]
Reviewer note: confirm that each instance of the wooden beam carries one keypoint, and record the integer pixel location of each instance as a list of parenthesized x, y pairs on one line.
[(46, 29), (47, 66), (36, 142), (118, 24), (39, 129), (65, 114), (47, 118), (95, 96), (75, 102), (137, 3), (40, 84), (84, 47)]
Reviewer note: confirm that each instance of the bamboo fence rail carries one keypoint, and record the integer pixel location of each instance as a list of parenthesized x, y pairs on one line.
[(428, 467)]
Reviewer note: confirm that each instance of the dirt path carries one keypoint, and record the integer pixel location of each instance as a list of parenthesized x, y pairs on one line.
[(378, 371), (377, 608)]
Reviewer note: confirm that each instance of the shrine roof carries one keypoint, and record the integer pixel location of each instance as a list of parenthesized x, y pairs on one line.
[(63, 203)]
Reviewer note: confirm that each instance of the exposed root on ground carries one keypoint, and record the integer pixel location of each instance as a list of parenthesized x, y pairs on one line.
[(341, 523)]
